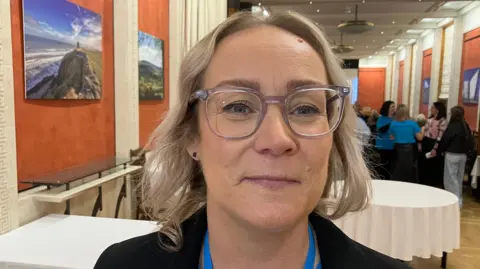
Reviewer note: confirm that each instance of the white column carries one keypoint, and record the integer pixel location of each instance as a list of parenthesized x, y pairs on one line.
[(456, 63), (126, 76), (388, 78), (435, 73), (406, 74), (396, 67), (8, 152), (417, 77)]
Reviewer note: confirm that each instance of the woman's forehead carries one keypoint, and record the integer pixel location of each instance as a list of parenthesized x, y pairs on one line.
[(266, 54)]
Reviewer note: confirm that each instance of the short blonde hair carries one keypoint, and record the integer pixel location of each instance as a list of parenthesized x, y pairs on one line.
[(402, 113), (173, 183)]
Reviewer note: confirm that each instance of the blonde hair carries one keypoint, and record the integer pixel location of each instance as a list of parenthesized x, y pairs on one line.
[(402, 113), (173, 184)]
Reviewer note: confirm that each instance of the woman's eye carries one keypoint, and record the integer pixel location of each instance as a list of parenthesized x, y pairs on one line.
[(237, 108), (305, 110)]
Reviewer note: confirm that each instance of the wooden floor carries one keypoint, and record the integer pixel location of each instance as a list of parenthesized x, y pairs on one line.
[(468, 256)]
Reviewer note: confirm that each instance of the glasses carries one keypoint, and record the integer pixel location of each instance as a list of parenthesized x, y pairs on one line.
[(236, 113)]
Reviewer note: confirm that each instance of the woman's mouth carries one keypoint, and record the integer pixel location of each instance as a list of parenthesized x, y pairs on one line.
[(273, 183)]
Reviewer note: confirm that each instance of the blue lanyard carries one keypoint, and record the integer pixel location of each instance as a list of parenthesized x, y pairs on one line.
[(309, 262)]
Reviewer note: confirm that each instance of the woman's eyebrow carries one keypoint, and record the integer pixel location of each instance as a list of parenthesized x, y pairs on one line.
[(255, 85), (296, 83), (242, 83)]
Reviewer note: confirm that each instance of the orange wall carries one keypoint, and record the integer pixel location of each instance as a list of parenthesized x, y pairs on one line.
[(400, 82), (153, 19), (470, 59), (55, 134), (371, 87), (426, 71)]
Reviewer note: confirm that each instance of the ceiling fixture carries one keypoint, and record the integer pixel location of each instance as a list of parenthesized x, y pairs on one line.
[(259, 3), (356, 26), (393, 22), (342, 48), (318, 10), (310, 2), (381, 33)]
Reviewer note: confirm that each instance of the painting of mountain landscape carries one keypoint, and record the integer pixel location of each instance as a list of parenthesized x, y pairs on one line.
[(63, 50), (150, 67)]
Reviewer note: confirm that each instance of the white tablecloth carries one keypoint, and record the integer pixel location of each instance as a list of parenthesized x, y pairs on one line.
[(406, 220), (475, 173), (61, 241)]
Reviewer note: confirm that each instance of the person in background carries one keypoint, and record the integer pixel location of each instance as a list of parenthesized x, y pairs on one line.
[(383, 143), (422, 121), (405, 132), (455, 143), (431, 169)]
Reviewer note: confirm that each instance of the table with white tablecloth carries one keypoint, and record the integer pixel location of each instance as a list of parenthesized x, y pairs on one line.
[(63, 241), (406, 220)]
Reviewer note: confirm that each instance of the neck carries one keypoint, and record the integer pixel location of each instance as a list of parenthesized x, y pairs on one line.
[(239, 245)]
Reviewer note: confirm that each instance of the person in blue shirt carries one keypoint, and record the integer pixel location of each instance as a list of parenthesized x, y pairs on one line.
[(404, 133), (383, 143)]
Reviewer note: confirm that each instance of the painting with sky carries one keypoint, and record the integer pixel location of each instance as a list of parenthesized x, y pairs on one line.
[(63, 50), (150, 67)]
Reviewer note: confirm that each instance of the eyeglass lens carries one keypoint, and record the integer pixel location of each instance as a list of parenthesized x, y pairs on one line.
[(238, 113)]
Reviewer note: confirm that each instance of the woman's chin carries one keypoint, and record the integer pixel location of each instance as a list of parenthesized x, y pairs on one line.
[(274, 217)]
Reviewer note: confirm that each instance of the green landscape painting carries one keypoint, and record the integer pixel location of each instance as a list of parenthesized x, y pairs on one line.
[(150, 67)]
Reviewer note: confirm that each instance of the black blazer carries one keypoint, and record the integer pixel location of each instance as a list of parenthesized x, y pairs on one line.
[(337, 250)]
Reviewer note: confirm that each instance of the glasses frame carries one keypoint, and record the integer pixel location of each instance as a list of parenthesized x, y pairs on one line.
[(341, 92)]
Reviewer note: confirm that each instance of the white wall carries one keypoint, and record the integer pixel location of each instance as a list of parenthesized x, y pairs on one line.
[(428, 41), (352, 80), (374, 62), (471, 20)]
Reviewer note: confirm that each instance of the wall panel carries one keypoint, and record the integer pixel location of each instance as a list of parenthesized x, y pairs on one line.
[(470, 59), (153, 19), (426, 70), (55, 134), (371, 87)]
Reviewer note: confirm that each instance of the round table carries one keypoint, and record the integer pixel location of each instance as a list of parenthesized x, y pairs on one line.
[(406, 220)]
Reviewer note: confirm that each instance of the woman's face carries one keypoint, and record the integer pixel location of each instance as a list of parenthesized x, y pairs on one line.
[(391, 110), (433, 111), (273, 60)]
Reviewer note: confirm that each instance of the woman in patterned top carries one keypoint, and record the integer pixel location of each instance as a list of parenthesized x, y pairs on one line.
[(431, 169)]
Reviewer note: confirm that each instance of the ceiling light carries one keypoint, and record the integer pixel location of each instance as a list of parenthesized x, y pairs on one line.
[(356, 26), (366, 46), (363, 1), (381, 33), (265, 13), (369, 57), (318, 10), (391, 52), (391, 41), (374, 41), (310, 2), (259, 3), (354, 41), (393, 22)]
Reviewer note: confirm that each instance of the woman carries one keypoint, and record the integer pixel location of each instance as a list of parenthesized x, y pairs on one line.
[(405, 132), (254, 146), (383, 144), (431, 169), (455, 143)]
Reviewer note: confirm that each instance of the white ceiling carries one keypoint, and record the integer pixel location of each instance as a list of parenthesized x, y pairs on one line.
[(400, 21)]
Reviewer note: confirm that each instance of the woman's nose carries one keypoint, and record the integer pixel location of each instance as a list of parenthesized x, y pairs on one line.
[(274, 136)]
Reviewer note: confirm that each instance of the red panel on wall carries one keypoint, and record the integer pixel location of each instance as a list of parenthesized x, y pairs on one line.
[(400, 82), (426, 72), (153, 20), (371, 87), (55, 134), (470, 59)]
